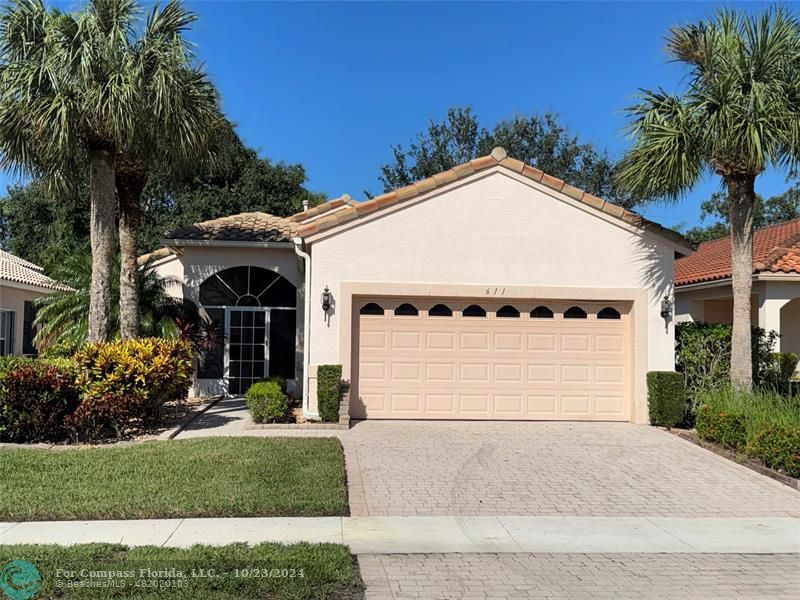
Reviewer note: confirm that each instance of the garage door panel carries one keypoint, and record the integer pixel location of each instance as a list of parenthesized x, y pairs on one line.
[(493, 368), (474, 405)]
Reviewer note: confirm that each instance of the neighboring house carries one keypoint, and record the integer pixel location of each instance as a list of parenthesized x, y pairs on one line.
[(489, 291), (703, 283), (21, 282)]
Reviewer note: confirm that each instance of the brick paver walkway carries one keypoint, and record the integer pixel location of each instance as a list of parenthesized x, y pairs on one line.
[(581, 469), (581, 576)]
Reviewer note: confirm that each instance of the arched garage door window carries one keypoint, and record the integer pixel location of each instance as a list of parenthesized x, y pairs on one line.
[(259, 307)]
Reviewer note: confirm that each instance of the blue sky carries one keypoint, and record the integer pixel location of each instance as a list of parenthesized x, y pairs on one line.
[(333, 85)]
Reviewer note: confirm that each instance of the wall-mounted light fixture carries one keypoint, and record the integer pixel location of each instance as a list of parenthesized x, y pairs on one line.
[(666, 310), (326, 300)]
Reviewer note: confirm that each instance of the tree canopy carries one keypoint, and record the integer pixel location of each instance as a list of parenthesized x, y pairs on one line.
[(41, 226), (773, 210), (538, 140)]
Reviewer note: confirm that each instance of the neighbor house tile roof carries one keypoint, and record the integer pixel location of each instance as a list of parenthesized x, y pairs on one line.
[(776, 249), (17, 270), (244, 227), (343, 210), (262, 227)]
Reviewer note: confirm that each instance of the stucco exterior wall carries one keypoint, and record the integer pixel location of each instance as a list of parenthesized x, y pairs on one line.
[(195, 264), (13, 299), (714, 304), (496, 231)]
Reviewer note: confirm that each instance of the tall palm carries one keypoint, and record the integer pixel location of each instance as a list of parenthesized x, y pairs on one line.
[(66, 104), (178, 115), (739, 114)]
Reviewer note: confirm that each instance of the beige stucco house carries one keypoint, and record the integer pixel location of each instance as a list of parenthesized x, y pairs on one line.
[(703, 283), (21, 282), (489, 291)]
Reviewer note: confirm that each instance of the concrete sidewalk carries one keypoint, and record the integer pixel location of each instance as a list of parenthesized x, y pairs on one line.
[(411, 535)]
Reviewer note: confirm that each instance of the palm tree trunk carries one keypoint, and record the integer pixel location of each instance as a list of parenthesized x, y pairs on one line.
[(741, 198), (102, 221), (129, 186)]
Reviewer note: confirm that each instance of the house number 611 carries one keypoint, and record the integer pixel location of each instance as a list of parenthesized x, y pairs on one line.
[(495, 291)]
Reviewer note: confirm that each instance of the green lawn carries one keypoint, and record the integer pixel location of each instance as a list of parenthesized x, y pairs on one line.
[(223, 477), (264, 571)]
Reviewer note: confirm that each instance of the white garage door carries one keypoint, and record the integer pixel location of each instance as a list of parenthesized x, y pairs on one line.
[(457, 359)]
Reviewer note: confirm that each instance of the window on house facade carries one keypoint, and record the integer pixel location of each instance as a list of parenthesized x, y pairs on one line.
[(541, 312), (406, 310), (473, 310), (575, 312), (28, 331), (6, 332), (371, 309), (608, 313), (440, 310), (508, 312)]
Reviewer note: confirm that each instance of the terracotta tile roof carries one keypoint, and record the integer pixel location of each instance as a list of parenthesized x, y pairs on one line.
[(17, 270), (244, 227), (342, 210), (776, 249), (154, 255)]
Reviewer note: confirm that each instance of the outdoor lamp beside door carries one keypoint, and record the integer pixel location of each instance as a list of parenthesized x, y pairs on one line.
[(666, 309), (326, 300)]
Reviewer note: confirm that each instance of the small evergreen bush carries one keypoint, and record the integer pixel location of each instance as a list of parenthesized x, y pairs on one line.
[(329, 392), (267, 402), (666, 398)]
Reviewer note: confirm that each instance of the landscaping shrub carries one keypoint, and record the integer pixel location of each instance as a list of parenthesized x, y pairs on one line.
[(281, 381), (267, 402), (780, 371), (35, 399), (59, 350), (725, 428), (666, 398), (128, 382), (329, 386), (763, 423), (777, 446), (703, 355)]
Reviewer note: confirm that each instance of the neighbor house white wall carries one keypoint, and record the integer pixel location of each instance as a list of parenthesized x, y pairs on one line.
[(13, 298), (496, 230)]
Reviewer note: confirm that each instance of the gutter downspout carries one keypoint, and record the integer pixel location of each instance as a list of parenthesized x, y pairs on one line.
[(298, 245)]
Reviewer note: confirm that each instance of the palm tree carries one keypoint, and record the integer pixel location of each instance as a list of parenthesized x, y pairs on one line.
[(739, 114), (179, 113), (61, 317), (66, 104)]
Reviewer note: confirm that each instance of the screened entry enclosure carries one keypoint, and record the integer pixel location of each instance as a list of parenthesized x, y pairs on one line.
[(257, 309)]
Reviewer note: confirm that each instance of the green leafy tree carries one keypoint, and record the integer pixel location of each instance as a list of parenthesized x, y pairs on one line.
[(42, 227), (538, 140), (236, 181), (777, 209), (62, 317), (739, 113)]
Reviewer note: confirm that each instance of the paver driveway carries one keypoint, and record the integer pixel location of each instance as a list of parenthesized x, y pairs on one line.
[(584, 469), (581, 576)]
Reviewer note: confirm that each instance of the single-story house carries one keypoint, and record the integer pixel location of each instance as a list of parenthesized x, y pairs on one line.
[(21, 282), (489, 291), (703, 283)]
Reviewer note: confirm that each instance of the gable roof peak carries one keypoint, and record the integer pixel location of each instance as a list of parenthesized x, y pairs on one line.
[(499, 153)]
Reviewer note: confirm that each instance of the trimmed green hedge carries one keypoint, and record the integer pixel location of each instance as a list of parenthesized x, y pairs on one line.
[(267, 402), (666, 398), (329, 392)]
